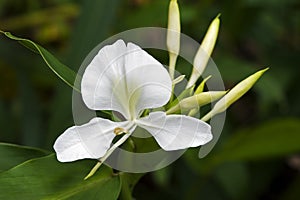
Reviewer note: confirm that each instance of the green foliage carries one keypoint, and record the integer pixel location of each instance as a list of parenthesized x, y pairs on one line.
[(12, 155), (249, 162), (46, 178), (277, 138), (62, 71), (272, 139)]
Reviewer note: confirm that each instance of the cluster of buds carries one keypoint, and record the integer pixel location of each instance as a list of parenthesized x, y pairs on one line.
[(193, 100)]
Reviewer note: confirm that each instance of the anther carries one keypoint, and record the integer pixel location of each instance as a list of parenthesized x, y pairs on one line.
[(119, 131)]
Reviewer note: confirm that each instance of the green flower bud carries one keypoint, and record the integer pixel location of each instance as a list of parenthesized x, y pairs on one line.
[(234, 94), (196, 101), (205, 50), (173, 35)]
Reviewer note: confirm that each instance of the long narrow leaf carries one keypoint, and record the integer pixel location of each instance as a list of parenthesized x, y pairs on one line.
[(61, 70)]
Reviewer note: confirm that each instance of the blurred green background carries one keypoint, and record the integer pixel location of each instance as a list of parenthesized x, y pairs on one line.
[(258, 154)]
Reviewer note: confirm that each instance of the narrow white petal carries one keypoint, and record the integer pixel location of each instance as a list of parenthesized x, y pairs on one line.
[(125, 79), (90, 140), (173, 132)]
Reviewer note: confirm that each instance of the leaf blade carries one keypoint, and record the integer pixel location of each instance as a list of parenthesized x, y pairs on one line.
[(272, 139), (62, 71), (12, 155), (46, 178)]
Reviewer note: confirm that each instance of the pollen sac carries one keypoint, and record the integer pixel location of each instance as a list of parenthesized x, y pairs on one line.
[(119, 131)]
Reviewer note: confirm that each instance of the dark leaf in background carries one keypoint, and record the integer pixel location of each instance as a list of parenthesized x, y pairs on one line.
[(46, 178), (12, 155)]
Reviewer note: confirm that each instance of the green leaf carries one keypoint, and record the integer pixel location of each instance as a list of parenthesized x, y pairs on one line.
[(12, 155), (46, 178), (234, 187), (61, 70), (272, 139), (129, 180)]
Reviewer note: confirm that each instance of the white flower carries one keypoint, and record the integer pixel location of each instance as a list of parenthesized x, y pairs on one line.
[(128, 80)]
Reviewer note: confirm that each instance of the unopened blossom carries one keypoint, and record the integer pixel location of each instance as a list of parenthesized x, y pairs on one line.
[(234, 94), (173, 35), (204, 52)]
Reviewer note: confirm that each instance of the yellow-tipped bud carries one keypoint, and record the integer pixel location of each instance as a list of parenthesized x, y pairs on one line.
[(234, 94), (197, 101), (173, 35), (205, 50)]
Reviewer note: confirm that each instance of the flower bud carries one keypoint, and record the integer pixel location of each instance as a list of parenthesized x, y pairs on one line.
[(173, 35), (197, 101), (205, 50), (234, 94)]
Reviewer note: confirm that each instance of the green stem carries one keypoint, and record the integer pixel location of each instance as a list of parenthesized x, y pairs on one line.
[(128, 180), (125, 190)]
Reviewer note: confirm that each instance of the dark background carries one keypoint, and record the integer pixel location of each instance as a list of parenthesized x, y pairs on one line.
[(257, 156)]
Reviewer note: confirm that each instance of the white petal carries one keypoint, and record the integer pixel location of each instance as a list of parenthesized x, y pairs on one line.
[(101, 76), (173, 132), (90, 140), (125, 79), (148, 82)]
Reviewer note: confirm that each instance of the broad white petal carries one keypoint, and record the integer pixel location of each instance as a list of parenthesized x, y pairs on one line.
[(173, 132), (125, 79), (90, 140), (100, 78), (148, 82)]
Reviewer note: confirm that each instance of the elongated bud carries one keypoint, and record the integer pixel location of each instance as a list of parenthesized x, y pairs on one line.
[(234, 94), (173, 35), (197, 101), (205, 50)]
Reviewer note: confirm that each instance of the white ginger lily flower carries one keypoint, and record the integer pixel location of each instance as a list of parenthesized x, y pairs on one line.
[(128, 80)]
